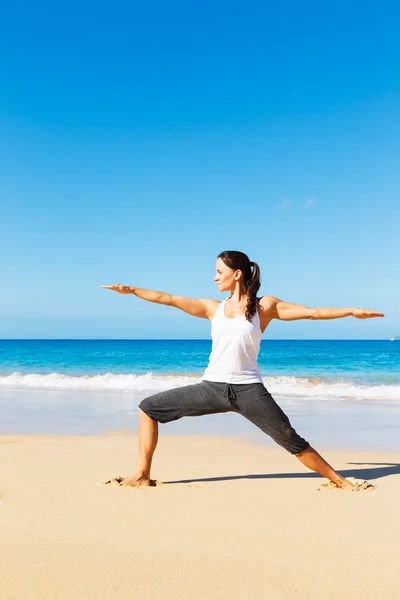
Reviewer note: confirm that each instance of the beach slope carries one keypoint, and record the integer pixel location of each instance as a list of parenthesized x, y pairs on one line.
[(235, 520)]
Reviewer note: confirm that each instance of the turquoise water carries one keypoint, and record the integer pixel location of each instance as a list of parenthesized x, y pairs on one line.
[(367, 361), (337, 393), (125, 364)]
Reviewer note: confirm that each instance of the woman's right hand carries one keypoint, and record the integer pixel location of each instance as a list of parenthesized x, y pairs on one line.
[(118, 287)]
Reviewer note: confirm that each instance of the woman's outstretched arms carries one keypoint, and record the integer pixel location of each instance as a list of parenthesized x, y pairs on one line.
[(286, 311), (203, 307)]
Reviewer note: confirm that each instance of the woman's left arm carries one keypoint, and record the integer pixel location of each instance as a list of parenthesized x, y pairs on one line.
[(287, 311)]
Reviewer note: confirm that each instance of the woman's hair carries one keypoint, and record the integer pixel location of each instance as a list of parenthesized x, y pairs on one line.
[(251, 276)]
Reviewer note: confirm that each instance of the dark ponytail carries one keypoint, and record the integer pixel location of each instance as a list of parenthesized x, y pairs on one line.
[(239, 261)]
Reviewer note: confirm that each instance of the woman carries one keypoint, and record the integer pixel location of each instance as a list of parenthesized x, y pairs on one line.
[(232, 380)]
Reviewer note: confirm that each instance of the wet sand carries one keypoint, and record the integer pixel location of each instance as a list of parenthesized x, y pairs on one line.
[(235, 520), (336, 425)]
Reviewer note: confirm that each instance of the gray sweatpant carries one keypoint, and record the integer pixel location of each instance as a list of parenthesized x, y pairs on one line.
[(251, 400)]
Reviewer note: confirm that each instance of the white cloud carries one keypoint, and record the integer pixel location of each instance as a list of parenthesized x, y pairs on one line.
[(309, 202)]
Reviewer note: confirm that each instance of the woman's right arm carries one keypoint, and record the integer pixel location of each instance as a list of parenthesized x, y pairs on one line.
[(203, 307)]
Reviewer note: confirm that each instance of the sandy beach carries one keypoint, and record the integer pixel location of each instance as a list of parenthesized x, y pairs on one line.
[(234, 520)]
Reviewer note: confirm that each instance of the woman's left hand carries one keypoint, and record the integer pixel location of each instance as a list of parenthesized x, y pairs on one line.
[(364, 313)]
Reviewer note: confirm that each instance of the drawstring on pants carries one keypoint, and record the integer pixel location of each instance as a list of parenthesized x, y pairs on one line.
[(229, 394)]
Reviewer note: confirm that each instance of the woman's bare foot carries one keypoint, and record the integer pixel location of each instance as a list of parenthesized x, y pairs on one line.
[(135, 481), (344, 484), (348, 485)]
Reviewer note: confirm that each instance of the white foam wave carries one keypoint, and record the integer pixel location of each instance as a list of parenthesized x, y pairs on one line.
[(294, 387), (105, 382), (311, 388)]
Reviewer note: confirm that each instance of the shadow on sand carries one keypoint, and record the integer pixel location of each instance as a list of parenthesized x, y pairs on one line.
[(374, 471)]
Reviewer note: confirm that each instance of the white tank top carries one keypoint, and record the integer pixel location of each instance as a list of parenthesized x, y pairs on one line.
[(235, 348)]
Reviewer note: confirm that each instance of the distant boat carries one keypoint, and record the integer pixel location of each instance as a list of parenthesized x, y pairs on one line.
[(396, 338)]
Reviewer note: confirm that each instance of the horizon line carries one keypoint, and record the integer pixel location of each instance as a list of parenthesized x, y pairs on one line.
[(189, 340)]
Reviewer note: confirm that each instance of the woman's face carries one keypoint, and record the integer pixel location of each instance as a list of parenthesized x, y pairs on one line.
[(225, 277)]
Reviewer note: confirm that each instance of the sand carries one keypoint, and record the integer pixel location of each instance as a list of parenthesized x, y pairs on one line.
[(235, 520)]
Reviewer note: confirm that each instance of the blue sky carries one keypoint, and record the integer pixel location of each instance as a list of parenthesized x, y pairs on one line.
[(136, 143)]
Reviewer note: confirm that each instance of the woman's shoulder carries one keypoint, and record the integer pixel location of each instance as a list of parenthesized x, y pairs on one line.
[(211, 302), (211, 306), (266, 302)]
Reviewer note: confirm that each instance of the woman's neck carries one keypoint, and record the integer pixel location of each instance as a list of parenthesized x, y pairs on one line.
[(238, 296)]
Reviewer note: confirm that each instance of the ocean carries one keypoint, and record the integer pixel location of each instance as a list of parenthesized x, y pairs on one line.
[(95, 385), (332, 369)]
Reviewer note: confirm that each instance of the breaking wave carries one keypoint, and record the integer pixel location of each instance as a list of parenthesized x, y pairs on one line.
[(295, 387)]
